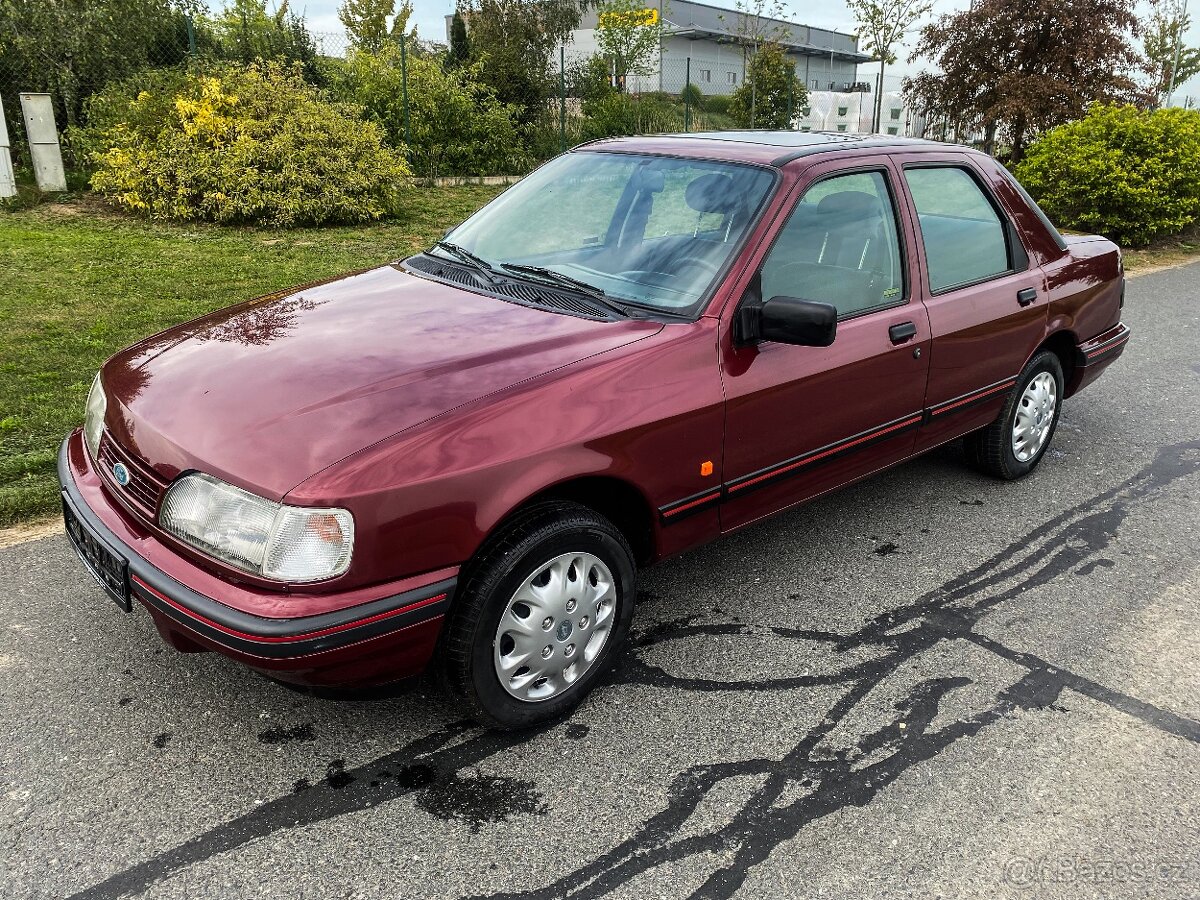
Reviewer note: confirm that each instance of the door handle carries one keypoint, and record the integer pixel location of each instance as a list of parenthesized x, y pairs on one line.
[(902, 332), (1026, 296)]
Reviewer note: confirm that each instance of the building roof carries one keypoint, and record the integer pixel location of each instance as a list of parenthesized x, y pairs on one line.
[(685, 18)]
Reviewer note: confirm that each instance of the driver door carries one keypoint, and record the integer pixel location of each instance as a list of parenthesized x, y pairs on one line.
[(803, 420)]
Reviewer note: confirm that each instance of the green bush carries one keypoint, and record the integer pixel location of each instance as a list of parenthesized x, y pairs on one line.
[(240, 145), (692, 94), (1128, 174), (625, 114), (718, 104), (771, 93), (456, 124)]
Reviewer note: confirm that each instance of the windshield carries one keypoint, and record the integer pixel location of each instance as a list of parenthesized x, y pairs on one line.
[(642, 229)]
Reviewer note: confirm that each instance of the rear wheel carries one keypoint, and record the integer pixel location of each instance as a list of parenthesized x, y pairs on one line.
[(1015, 443), (543, 611)]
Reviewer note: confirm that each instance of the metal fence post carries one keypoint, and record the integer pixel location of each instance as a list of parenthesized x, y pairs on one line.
[(8, 180), (791, 98), (404, 90), (191, 35), (687, 96), (562, 99), (42, 131)]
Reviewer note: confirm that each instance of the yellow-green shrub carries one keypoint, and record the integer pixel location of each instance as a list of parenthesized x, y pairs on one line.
[(1122, 172), (244, 145)]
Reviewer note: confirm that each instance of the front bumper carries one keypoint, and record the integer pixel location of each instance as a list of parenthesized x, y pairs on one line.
[(358, 638)]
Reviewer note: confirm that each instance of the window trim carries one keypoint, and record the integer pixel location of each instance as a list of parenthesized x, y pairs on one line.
[(1014, 248), (905, 269)]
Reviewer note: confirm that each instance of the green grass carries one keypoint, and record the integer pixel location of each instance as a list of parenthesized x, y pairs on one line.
[(79, 283)]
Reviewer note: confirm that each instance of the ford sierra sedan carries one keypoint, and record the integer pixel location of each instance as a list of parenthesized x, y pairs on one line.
[(461, 460)]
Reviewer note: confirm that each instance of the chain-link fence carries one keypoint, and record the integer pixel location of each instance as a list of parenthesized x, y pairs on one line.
[(719, 89)]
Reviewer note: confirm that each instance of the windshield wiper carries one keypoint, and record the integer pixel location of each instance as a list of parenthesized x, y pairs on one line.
[(588, 290), (462, 254)]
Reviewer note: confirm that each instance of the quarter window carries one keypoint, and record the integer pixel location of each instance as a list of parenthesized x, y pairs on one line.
[(962, 232), (839, 246)]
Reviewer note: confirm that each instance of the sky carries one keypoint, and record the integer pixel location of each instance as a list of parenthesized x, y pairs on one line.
[(428, 15)]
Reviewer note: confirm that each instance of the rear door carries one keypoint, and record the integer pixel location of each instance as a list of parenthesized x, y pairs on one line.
[(986, 301), (803, 420)]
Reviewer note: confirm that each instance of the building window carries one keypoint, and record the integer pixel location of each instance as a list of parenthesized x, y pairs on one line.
[(706, 75), (731, 77), (843, 110), (805, 128), (842, 127), (896, 115), (806, 112), (816, 85), (892, 129)]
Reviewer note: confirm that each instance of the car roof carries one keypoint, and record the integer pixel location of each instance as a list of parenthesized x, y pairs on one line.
[(775, 148)]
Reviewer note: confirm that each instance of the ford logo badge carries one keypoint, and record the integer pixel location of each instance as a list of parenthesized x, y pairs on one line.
[(121, 474)]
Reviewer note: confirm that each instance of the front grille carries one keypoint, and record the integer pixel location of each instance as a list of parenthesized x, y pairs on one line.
[(145, 487)]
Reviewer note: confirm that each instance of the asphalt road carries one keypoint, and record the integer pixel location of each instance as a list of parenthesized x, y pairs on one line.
[(929, 684)]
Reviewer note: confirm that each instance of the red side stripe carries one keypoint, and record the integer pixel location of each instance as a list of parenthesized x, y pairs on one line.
[(715, 495), (1100, 351), (837, 449), (291, 638), (971, 398)]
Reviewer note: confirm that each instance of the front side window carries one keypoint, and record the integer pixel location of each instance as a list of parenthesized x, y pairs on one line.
[(839, 246), (962, 232), (648, 230)]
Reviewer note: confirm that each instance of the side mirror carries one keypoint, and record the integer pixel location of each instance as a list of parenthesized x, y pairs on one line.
[(790, 320)]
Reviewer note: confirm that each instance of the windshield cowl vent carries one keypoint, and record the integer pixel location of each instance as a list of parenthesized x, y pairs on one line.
[(523, 292)]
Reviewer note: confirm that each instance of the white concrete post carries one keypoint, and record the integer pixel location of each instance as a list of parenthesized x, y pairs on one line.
[(38, 112), (8, 181)]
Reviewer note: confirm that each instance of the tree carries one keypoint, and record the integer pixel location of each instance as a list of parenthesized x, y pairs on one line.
[(366, 22), (1169, 61), (515, 42), (1022, 66), (460, 47), (629, 36), (771, 92), (246, 30), (883, 25), (759, 22), (72, 48)]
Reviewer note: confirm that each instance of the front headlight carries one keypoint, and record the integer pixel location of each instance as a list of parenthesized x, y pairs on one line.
[(93, 417), (286, 543)]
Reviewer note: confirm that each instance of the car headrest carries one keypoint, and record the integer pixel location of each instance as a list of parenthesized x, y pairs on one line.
[(649, 180), (849, 206), (711, 193)]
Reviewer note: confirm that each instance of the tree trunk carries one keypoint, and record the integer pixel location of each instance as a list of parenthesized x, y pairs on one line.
[(989, 139)]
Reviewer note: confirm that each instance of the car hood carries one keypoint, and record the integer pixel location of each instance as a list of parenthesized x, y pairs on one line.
[(267, 393)]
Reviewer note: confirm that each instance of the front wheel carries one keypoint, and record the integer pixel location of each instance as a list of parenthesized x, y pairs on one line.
[(543, 611), (1015, 443)]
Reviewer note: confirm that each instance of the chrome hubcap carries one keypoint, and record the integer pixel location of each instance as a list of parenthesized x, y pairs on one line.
[(555, 626), (1035, 415)]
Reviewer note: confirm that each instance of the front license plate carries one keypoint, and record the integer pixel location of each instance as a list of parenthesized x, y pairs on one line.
[(110, 571)]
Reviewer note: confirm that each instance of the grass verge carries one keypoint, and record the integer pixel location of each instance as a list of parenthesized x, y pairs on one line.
[(80, 283)]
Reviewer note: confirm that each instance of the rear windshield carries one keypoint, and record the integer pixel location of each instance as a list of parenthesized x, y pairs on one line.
[(648, 230)]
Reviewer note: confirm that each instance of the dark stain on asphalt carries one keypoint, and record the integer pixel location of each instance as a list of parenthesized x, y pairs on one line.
[(302, 784), (475, 799), (281, 735), (886, 549), (577, 731), (336, 775), (975, 502), (831, 776), (160, 740), (124, 701), (1090, 567)]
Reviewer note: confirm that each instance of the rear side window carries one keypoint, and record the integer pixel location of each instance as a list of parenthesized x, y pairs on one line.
[(962, 232)]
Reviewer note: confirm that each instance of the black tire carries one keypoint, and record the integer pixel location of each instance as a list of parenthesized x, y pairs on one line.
[(990, 449), (534, 537)]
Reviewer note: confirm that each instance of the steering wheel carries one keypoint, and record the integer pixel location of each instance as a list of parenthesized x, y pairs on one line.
[(707, 264)]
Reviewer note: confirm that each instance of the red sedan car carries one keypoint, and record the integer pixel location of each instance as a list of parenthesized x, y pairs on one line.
[(465, 456)]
